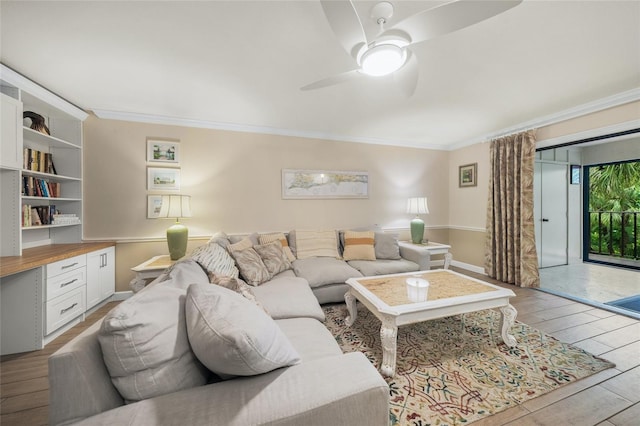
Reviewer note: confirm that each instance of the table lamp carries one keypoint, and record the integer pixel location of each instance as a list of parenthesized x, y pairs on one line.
[(177, 235), (417, 205)]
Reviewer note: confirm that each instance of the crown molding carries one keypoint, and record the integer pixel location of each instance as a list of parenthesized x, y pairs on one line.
[(19, 81), (577, 111), (248, 128)]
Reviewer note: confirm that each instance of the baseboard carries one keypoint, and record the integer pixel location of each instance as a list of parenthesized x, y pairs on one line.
[(121, 295), (468, 267)]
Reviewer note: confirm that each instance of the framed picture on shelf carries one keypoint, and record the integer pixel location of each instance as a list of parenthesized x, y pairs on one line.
[(154, 204), (163, 179), (467, 175), (159, 151)]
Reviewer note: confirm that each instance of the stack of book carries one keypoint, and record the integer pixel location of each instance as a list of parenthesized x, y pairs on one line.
[(65, 219), (35, 187), (38, 161)]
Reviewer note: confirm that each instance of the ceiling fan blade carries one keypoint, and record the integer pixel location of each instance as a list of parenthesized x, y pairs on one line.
[(449, 17), (407, 76), (330, 81), (346, 25)]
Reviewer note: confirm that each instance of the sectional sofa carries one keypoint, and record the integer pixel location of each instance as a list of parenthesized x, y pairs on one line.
[(232, 335)]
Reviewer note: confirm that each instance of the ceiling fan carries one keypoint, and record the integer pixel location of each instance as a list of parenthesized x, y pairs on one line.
[(390, 53)]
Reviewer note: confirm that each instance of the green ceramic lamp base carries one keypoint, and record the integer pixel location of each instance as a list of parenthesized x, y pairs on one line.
[(417, 230), (177, 236)]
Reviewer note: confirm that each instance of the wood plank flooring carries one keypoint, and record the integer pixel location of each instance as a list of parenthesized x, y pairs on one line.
[(609, 398)]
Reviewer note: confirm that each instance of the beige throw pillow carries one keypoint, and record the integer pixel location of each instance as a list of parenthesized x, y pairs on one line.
[(233, 337), (215, 259), (316, 244), (359, 245), (273, 257), (269, 238), (251, 266)]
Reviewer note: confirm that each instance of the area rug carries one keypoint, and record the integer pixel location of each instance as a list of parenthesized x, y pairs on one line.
[(630, 303), (456, 370)]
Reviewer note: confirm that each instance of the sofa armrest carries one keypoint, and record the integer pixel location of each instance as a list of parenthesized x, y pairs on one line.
[(343, 389), (418, 255), (79, 383)]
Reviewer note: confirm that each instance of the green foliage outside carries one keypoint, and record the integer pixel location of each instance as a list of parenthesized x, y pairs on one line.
[(614, 196)]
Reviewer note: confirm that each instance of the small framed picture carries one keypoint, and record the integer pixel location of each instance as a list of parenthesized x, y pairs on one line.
[(163, 179), (154, 204), (159, 151), (467, 175), (575, 174)]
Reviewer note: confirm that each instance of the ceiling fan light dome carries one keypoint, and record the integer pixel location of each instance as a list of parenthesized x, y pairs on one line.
[(383, 59)]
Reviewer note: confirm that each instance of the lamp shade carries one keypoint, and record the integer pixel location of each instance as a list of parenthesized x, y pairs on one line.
[(417, 205), (175, 206), (177, 235)]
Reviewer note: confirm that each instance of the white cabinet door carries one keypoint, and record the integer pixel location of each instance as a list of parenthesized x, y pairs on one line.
[(11, 136), (108, 272), (101, 280)]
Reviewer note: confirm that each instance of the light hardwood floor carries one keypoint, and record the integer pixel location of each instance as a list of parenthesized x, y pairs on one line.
[(611, 397)]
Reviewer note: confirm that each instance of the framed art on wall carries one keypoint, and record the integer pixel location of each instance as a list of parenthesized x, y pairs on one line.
[(159, 151), (309, 184), (154, 204), (467, 175), (163, 179)]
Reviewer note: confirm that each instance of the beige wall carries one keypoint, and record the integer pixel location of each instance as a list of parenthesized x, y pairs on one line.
[(467, 206), (234, 179)]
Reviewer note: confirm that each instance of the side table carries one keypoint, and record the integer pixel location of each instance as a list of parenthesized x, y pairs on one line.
[(430, 248), (151, 268)]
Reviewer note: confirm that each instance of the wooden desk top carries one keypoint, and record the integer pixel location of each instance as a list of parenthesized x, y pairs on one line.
[(38, 256)]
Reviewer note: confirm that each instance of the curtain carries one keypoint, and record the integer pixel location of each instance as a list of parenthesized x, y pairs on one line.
[(510, 249)]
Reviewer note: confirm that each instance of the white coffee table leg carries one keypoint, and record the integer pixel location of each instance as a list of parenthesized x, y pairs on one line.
[(508, 319), (350, 300), (389, 339)]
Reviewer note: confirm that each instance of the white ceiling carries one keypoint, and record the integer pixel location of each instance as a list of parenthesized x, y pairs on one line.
[(240, 65)]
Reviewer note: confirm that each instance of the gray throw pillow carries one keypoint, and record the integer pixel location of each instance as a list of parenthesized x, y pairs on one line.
[(386, 246), (251, 266), (232, 336), (145, 345)]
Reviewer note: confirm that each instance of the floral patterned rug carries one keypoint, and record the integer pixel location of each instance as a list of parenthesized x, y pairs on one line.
[(456, 370)]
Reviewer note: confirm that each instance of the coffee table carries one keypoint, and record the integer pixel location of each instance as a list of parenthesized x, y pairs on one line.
[(450, 293)]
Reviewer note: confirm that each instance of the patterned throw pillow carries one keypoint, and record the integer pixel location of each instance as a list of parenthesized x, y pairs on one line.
[(235, 284), (359, 245), (213, 258), (316, 244), (269, 238), (251, 266), (273, 257)]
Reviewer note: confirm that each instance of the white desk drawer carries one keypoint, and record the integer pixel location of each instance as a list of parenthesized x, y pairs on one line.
[(65, 282), (64, 308), (66, 265)]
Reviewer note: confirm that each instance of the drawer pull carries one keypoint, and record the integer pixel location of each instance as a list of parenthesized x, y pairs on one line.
[(69, 266), (62, 311), (68, 283)]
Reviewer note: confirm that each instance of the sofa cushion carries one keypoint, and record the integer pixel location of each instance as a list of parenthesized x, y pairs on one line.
[(273, 257), (386, 246), (316, 244), (145, 345), (310, 338), (251, 266), (215, 259), (384, 266), (288, 297), (279, 236), (359, 245), (233, 337), (319, 271)]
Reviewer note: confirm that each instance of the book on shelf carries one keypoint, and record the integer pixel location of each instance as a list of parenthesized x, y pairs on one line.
[(38, 215), (38, 161), (36, 187)]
